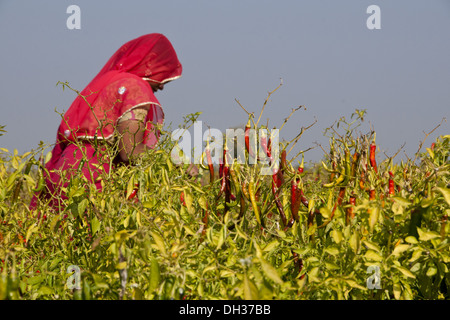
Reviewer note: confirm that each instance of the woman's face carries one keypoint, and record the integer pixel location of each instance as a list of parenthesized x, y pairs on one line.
[(156, 86)]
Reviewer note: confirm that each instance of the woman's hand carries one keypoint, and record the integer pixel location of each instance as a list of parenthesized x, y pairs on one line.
[(192, 170)]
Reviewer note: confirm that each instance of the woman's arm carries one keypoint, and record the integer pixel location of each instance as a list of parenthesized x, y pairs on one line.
[(131, 136)]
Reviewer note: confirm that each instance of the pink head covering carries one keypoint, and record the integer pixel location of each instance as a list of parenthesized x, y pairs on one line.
[(150, 56)]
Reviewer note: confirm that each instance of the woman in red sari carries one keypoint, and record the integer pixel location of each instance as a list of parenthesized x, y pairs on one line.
[(118, 107)]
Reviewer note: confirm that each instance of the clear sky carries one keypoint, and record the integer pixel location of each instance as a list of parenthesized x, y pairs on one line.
[(328, 58)]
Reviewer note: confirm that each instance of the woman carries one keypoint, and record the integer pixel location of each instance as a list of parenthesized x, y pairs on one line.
[(117, 107)]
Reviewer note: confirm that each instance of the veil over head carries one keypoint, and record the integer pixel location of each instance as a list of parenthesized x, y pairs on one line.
[(150, 56)]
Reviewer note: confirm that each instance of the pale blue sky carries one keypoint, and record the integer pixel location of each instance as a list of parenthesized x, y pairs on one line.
[(328, 59)]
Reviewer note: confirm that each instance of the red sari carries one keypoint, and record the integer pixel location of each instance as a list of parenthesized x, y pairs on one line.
[(118, 88)]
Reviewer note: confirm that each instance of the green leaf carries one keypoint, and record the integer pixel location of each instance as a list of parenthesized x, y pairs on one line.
[(352, 283), (397, 289), (272, 245), (446, 193), (405, 272), (95, 225), (373, 218), (148, 204), (189, 201), (332, 250), (337, 236), (430, 152), (250, 290), (54, 264), (44, 290), (130, 186), (99, 282), (400, 248), (326, 213), (203, 203), (35, 280), (257, 249), (82, 205), (354, 242), (30, 230), (427, 235), (270, 271), (241, 233), (401, 201), (411, 239), (431, 271), (371, 245), (311, 230), (159, 242), (221, 239), (373, 256), (313, 275), (126, 221), (155, 274), (123, 235), (48, 156), (416, 255), (331, 266)]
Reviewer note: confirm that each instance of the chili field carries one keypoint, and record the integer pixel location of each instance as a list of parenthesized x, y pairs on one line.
[(356, 225)]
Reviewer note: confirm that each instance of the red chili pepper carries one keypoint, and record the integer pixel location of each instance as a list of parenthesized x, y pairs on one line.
[(350, 210), (339, 201), (295, 199), (182, 198), (258, 192), (266, 146), (283, 160), (226, 179), (134, 193), (372, 159), (278, 178), (245, 190), (247, 138), (341, 195), (220, 170), (298, 264), (210, 164), (223, 170), (362, 181), (223, 184), (372, 194), (275, 192), (297, 195), (356, 156), (391, 183), (303, 199)]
